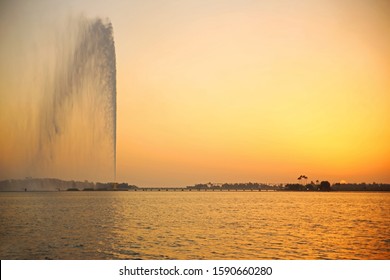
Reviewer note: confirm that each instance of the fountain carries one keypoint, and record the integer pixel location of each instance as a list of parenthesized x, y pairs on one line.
[(75, 122)]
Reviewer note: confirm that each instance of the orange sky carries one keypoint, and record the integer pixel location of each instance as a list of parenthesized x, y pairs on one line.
[(222, 91)]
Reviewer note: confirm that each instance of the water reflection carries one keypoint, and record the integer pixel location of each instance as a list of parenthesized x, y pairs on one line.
[(170, 225)]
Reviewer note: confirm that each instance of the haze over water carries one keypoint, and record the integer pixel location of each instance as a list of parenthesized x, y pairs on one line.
[(194, 225)]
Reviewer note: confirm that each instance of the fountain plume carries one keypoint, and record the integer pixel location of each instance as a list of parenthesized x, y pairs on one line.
[(76, 123)]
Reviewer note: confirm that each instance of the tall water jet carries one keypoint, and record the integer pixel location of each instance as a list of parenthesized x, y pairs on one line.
[(76, 118)]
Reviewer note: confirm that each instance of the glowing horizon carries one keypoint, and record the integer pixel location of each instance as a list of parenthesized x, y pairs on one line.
[(232, 91)]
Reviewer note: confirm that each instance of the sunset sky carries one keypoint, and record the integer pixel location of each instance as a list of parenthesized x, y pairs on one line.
[(223, 91)]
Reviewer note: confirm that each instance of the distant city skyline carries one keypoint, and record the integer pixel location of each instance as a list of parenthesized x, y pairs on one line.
[(216, 91)]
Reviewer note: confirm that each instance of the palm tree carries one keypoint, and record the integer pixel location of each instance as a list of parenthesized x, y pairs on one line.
[(303, 177)]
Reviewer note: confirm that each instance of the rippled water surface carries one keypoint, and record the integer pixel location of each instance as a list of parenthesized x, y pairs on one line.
[(194, 225)]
